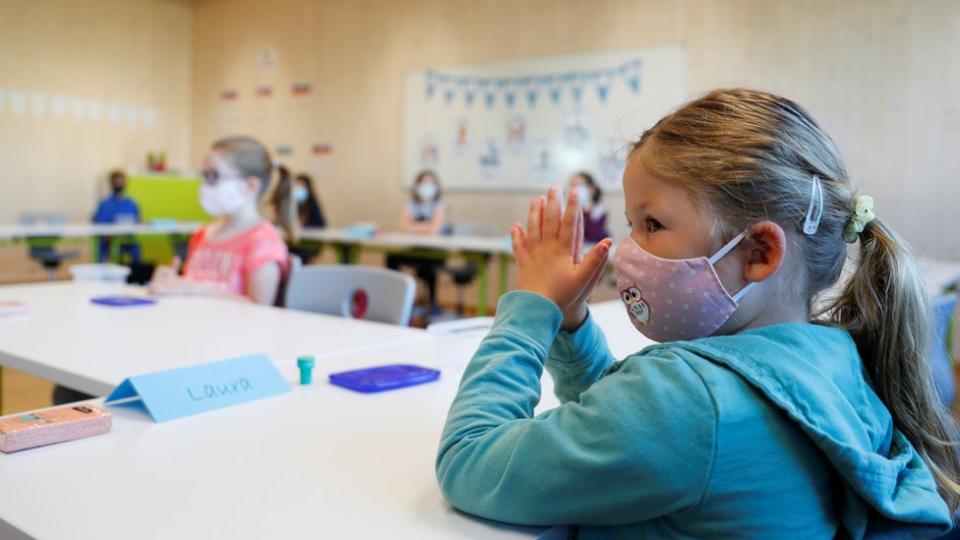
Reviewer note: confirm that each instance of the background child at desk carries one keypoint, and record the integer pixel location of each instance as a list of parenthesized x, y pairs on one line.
[(118, 208), (296, 205), (240, 254), (425, 213), (750, 419), (594, 213)]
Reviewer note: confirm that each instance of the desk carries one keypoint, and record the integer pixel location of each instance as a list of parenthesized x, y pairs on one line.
[(940, 275), (92, 348), (87, 230), (10, 233), (474, 248), (321, 462)]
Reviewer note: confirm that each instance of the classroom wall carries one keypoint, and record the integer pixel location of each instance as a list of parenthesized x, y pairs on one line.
[(881, 75), (131, 53)]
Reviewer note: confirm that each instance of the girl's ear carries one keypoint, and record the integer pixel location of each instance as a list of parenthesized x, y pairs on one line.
[(766, 245)]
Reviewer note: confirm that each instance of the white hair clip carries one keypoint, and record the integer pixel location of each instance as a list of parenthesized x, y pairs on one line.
[(815, 210)]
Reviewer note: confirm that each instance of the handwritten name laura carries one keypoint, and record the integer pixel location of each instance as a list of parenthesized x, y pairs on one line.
[(212, 391)]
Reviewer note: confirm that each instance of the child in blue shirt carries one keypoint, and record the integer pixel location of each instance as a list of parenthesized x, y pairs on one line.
[(118, 208), (756, 417)]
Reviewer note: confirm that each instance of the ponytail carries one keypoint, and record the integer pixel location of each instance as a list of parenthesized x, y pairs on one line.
[(283, 205), (884, 306)]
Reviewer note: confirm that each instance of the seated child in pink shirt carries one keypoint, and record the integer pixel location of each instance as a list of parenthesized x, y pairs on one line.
[(240, 254)]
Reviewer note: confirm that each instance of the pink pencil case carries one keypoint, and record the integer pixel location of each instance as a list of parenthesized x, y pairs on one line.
[(51, 426)]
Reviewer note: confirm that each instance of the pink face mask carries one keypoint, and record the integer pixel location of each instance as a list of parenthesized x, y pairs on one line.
[(674, 299)]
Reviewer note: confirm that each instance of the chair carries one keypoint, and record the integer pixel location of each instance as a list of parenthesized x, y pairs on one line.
[(941, 364), (294, 264), (358, 292), (464, 272), (42, 248)]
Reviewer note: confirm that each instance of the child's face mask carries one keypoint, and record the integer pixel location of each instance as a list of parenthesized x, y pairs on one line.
[(300, 194), (674, 299), (225, 197), (583, 193), (427, 191)]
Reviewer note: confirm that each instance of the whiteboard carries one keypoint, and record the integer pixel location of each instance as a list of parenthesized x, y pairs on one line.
[(525, 124)]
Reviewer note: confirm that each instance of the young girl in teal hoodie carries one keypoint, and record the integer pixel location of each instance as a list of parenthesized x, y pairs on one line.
[(757, 416)]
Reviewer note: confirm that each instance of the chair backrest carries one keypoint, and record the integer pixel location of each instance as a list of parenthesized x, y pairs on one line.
[(944, 307), (294, 264), (359, 292), (42, 218)]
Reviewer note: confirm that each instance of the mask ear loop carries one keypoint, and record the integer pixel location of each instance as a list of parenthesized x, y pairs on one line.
[(723, 251), (726, 248), (815, 210)]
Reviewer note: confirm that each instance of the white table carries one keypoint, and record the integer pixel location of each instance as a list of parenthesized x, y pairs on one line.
[(95, 231), (87, 230), (66, 339), (475, 248), (321, 462), (940, 275)]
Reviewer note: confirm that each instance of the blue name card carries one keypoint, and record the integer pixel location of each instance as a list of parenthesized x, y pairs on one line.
[(185, 391)]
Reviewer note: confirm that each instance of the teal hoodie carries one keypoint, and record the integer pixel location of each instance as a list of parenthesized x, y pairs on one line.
[(769, 433)]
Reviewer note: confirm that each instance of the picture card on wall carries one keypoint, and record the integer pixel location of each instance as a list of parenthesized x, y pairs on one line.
[(18, 103), (95, 111), (301, 89), (149, 115), (115, 114), (38, 105), (131, 115), (78, 109)]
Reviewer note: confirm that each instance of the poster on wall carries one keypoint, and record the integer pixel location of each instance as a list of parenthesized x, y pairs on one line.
[(521, 124), (489, 159), (461, 135), (429, 152), (543, 166), (516, 133)]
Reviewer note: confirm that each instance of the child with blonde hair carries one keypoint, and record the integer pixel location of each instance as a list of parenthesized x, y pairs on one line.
[(239, 255), (755, 416)]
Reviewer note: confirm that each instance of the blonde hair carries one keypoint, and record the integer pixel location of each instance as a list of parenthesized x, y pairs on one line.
[(751, 156), (248, 156)]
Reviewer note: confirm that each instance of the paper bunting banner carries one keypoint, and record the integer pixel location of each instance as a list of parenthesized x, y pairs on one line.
[(555, 85)]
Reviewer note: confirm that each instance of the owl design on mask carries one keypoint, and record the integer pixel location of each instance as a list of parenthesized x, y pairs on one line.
[(638, 309)]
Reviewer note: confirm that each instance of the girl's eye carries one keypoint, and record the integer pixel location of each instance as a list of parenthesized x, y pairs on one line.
[(653, 225)]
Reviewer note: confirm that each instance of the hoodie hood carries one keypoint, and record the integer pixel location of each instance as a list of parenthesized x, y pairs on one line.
[(888, 490)]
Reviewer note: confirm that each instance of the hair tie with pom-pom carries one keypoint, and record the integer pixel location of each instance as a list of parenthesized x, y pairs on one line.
[(862, 214)]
